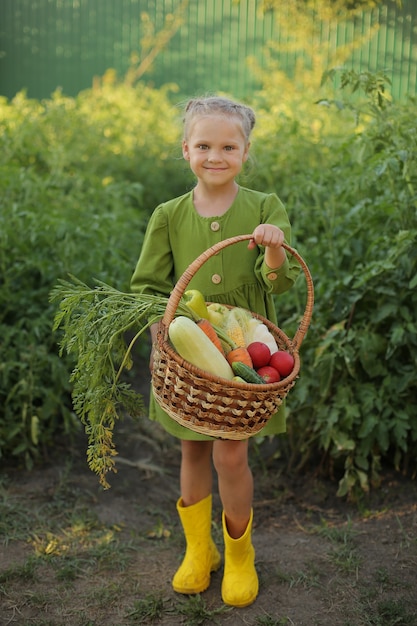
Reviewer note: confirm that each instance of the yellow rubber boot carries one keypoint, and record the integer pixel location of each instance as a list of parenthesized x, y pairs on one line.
[(240, 581), (201, 555)]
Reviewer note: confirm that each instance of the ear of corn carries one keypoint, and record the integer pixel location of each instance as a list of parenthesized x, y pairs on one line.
[(235, 331)]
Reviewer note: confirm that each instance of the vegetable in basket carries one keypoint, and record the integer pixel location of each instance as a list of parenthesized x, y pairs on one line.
[(193, 345), (253, 329), (248, 374), (209, 330), (217, 314), (194, 299)]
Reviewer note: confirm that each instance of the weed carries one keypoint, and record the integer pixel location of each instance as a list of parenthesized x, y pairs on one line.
[(159, 531), (387, 581), (336, 534), (346, 558), (107, 594), (196, 613), (392, 613), (69, 571), (344, 554), (406, 538), (25, 572), (150, 608), (282, 577), (15, 520), (305, 579)]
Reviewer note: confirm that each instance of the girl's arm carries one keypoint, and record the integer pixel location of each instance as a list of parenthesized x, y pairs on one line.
[(272, 238)]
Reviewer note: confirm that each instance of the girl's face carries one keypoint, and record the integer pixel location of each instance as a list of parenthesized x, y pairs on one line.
[(216, 149)]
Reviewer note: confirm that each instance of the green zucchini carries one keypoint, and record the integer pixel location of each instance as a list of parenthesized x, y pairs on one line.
[(248, 374), (195, 347)]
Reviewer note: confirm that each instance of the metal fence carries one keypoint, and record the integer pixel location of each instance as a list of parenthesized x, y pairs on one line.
[(45, 44)]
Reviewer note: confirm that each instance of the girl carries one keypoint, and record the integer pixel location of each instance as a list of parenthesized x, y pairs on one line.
[(216, 145)]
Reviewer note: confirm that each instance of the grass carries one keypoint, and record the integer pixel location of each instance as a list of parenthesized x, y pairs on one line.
[(307, 579), (393, 613), (150, 608), (193, 611), (24, 572), (343, 553)]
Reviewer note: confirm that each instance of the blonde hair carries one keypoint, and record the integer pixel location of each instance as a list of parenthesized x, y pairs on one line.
[(216, 105)]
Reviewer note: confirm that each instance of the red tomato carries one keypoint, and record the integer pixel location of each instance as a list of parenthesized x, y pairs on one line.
[(259, 353), (269, 374), (283, 362)]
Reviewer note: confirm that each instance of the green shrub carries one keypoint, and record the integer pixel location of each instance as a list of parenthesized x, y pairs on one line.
[(75, 177), (352, 200)]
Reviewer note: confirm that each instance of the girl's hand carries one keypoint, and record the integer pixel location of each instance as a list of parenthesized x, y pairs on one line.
[(266, 235), (272, 238)]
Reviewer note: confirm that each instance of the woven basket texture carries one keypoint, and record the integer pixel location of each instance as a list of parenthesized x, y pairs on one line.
[(211, 405)]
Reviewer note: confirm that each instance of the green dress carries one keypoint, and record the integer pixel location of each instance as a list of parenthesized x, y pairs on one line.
[(176, 235)]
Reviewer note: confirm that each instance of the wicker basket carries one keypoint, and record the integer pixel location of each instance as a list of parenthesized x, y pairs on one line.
[(209, 404)]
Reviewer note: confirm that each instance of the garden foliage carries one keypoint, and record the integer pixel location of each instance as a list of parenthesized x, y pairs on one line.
[(79, 180), (73, 199), (347, 171)]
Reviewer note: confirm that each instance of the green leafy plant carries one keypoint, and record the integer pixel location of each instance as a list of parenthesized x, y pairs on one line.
[(94, 324), (72, 201), (355, 402)]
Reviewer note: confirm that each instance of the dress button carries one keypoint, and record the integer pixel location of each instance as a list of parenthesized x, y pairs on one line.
[(216, 279), (272, 276), (215, 226)]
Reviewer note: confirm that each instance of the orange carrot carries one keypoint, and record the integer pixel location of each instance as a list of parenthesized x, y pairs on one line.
[(208, 329), (239, 354)]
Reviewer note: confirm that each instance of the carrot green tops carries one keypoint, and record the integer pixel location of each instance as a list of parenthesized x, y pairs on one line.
[(176, 235)]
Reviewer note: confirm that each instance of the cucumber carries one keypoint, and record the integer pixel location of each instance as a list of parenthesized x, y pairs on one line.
[(247, 373)]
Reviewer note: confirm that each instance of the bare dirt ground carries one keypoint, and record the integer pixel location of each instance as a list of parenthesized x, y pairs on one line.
[(73, 554)]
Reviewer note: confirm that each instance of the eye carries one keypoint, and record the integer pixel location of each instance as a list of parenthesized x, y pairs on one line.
[(202, 146), (229, 148)]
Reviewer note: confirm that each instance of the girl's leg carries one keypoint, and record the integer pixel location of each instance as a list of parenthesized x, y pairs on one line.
[(240, 580), (196, 471), (194, 508), (235, 483)]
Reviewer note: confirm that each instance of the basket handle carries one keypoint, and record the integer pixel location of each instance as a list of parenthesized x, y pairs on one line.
[(186, 277)]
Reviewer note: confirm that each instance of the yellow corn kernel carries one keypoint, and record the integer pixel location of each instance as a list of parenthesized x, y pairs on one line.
[(235, 332)]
